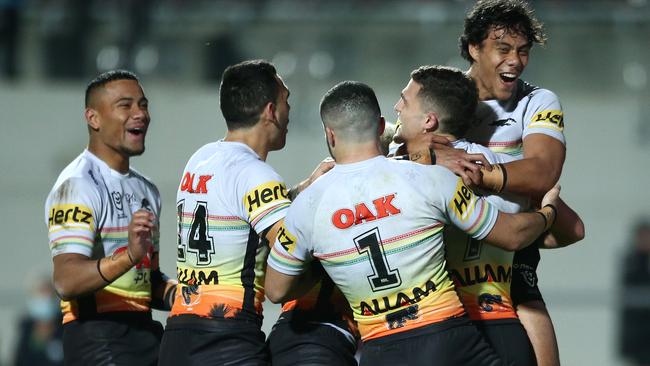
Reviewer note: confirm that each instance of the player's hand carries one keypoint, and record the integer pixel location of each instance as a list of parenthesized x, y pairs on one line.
[(140, 232), (552, 197), (323, 167), (467, 166)]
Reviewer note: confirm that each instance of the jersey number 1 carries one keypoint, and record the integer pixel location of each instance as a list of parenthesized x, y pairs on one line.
[(383, 277)]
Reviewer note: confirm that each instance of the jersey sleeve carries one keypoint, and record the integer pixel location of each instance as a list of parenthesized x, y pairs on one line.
[(291, 253), (464, 209), (71, 214), (265, 197), (544, 115)]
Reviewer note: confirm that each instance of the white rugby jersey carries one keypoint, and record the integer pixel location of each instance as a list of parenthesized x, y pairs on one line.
[(376, 227), (226, 199), (482, 273), (88, 212), (502, 126)]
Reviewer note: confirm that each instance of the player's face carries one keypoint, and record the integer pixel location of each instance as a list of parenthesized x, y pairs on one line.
[(282, 107), (498, 62), (123, 116), (409, 113)]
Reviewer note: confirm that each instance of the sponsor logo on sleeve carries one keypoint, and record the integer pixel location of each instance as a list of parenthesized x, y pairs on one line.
[(70, 214), (552, 116), (286, 239), (462, 205), (264, 194)]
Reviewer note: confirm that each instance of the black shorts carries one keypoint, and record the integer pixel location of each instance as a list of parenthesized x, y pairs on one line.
[(213, 342), (524, 276), (448, 343), (116, 339), (310, 344), (510, 341)]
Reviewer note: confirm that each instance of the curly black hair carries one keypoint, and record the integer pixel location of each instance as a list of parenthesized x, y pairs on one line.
[(514, 16)]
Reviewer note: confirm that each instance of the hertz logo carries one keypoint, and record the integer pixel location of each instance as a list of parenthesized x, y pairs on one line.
[(263, 194), (286, 239), (553, 116), (66, 214), (463, 203)]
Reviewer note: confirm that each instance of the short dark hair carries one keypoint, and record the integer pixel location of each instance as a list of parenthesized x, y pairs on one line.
[(351, 107), (451, 94), (515, 16), (105, 78), (245, 89)]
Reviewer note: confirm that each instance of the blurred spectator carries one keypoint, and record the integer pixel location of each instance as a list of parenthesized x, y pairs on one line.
[(40, 330), (635, 326)]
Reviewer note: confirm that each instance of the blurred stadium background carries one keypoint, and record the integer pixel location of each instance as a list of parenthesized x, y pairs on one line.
[(597, 60)]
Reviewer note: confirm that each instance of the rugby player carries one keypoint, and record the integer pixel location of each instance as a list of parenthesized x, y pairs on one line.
[(524, 121), (442, 100), (102, 218), (375, 225), (230, 204)]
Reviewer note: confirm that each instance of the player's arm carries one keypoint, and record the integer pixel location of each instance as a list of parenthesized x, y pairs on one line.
[(163, 288), (516, 231), (567, 230), (323, 167), (75, 274), (540, 168), (464, 165), (536, 320), (281, 287), (269, 235)]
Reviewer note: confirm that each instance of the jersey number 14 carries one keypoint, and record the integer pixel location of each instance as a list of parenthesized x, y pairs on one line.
[(197, 240)]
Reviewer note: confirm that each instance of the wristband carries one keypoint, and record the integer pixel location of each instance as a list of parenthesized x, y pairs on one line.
[(549, 213), (496, 179), (100, 272)]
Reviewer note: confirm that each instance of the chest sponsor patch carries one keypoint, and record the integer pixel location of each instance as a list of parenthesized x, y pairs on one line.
[(70, 214)]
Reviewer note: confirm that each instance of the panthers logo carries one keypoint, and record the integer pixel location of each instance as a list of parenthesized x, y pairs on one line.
[(486, 301), (190, 294)]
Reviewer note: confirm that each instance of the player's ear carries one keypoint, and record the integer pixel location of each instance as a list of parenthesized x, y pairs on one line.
[(382, 125), (474, 50), (431, 122), (268, 113), (330, 137), (92, 118)]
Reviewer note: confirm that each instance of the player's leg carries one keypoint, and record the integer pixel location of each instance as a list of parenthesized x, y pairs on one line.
[(535, 318), (510, 341), (531, 308)]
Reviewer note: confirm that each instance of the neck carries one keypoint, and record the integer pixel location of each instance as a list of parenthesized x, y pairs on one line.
[(251, 137), (483, 93), (112, 158), (423, 141), (355, 152)]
